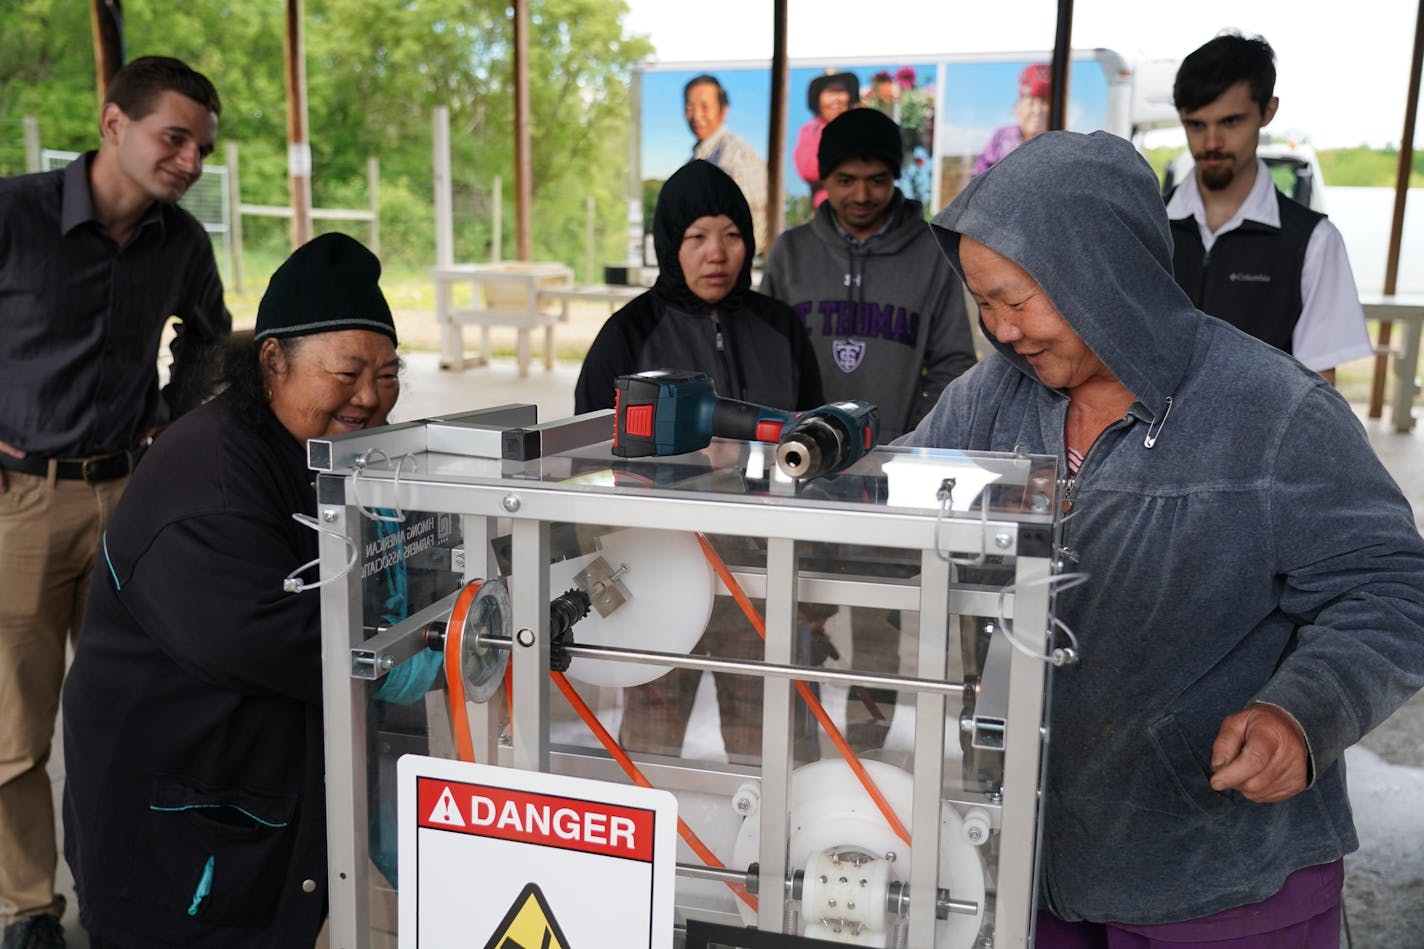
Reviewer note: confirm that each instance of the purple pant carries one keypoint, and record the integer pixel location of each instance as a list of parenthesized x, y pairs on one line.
[(1303, 914)]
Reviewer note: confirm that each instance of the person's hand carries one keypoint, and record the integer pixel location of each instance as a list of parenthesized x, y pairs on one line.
[(1260, 752), (13, 452)]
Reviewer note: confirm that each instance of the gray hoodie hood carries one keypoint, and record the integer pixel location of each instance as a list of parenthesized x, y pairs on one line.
[(1112, 283)]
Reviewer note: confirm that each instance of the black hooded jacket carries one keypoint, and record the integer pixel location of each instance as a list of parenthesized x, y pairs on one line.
[(754, 348), (194, 807)]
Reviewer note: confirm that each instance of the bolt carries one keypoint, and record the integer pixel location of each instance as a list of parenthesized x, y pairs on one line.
[(1002, 540), (525, 637), (864, 882), (388, 663), (510, 503), (844, 881), (824, 878), (831, 903), (328, 515), (850, 905), (890, 857), (460, 560), (975, 834), (966, 724)]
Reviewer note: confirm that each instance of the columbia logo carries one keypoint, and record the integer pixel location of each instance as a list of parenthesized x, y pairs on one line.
[(1250, 278)]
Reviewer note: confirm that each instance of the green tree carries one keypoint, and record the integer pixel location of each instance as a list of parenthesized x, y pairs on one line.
[(375, 71)]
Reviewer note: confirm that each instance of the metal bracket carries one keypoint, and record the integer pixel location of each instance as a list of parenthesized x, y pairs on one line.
[(991, 705)]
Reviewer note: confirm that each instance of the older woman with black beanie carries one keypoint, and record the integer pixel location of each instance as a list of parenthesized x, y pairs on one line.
[(194, 808), (702, 313)]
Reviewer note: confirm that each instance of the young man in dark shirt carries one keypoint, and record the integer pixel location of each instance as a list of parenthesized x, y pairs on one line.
[(94, 260)]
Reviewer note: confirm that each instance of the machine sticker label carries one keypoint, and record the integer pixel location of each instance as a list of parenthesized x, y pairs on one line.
[(529, 924), (488, 855)]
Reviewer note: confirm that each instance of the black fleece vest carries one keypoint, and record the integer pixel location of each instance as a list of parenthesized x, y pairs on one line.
[(1251, 278)]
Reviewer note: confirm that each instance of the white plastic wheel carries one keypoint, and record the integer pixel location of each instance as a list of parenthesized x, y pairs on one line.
[(830, 809), (670, 589)]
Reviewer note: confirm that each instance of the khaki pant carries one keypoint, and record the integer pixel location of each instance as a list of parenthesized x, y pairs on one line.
[(49, 532)]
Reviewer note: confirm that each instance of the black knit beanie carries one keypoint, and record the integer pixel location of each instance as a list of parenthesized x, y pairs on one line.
[(859, 133), (328, 284)]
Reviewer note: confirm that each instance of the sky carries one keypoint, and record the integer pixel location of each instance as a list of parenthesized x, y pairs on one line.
[(1342, 77)]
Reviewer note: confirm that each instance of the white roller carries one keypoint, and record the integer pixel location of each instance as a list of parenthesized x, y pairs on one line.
[(670, 588), (831, 811)]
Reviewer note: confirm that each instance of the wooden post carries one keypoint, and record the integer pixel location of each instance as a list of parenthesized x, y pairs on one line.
[(523, 167), (31, 126), (497, 214), (234, 216), (1062, 59), (373, 185), (776, 136), (298, 146), (590, 229), (444, 216), (1396, 224), (106, 22)]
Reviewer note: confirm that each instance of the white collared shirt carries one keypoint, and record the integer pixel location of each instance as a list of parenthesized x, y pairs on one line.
[(1331, 329)]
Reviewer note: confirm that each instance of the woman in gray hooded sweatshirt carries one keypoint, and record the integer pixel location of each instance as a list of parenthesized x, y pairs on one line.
[(1256, 593)]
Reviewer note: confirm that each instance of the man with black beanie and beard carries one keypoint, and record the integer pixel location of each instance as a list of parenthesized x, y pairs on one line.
[(885, 314), (1244, 252)]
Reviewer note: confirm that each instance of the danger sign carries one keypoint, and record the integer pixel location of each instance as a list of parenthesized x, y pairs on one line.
[(567, 823), (511, 859)]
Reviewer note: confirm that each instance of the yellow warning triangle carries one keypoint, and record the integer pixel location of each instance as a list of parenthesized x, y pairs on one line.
[(529, 924)]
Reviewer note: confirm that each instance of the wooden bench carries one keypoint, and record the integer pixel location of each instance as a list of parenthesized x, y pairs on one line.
[(1407, 310), (502, 294)]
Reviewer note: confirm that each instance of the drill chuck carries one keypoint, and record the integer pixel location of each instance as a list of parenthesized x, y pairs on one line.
[(828, 439), (812, 448)]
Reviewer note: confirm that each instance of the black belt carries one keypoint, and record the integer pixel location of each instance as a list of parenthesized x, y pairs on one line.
[(93, 469)]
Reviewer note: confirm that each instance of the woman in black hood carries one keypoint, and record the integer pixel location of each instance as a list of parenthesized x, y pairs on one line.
[(702, 314)]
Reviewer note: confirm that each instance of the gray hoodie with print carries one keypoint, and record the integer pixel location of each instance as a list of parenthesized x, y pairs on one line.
[(1244, 545), (885, 316)]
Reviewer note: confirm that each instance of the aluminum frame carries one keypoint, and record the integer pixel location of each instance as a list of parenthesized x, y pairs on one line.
[(529, 507)]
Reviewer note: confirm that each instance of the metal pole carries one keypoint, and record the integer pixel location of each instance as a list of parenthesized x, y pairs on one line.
[(234, 215), (776, 137), (523, 168), (1401, 195), (1062, 58), (373, 186), (298, 147)]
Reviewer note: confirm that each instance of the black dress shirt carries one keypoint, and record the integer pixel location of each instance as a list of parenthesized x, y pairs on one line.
[(81, 318)]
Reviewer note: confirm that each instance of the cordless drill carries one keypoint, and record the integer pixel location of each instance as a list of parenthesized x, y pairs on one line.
[(672, 411)]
